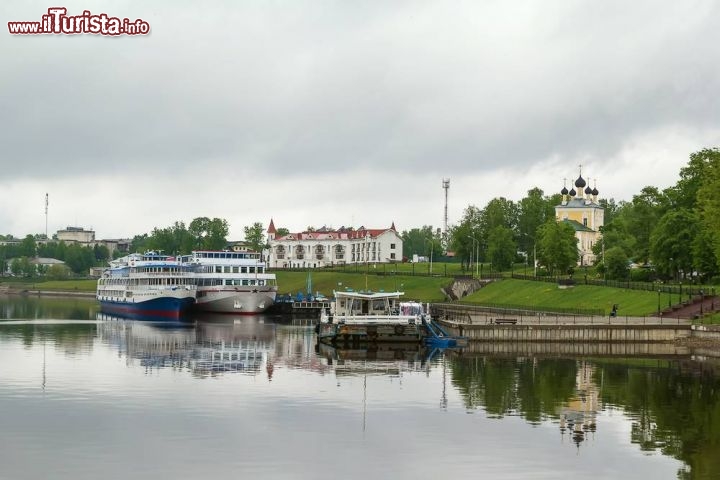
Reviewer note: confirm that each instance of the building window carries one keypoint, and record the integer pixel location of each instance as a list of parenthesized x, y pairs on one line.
[(585, 221), (392, 246), (392, 256)]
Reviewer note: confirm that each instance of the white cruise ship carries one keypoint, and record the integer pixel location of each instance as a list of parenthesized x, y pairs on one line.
[(231, 282), (145, 286)]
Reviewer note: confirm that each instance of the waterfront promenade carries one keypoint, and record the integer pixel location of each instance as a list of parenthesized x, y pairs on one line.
[(479, 315)]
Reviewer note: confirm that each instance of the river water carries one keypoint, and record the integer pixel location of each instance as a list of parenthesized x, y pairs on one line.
[(87, 396)]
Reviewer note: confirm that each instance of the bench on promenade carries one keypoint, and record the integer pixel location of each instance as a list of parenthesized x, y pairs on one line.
[(504, 321)]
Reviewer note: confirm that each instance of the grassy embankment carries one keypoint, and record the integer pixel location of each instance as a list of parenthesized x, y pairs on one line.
[(52, 285), (548, 295)]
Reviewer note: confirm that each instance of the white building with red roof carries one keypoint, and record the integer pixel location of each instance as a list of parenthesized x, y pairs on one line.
[(327, 247)]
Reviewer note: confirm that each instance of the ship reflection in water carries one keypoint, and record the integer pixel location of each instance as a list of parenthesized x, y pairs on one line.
[(215, 344), (382, 358)]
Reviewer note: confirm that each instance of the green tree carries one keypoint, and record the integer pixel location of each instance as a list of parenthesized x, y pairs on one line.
[(640, 217), (671, 242), (140, 243), (461, 235), (616, 264), (418, 241), (255, 236), (534, 210), (175, 239), (79, 259), (708, 203), (58, 272), (209, 234), (28, 247), (22, 267), (704, 260), (610, 209), (15, 267), (501, 248), (685, 192), (102, 254), (557, 247), (281, 232)]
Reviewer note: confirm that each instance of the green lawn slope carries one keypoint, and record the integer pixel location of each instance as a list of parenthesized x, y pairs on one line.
[(424, 289), (548, 296)]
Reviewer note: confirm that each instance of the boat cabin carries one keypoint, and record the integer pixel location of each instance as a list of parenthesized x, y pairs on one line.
[(360, 303)]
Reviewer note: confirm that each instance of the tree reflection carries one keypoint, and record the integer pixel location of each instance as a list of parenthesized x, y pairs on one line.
[(674, 410), (530, 387)]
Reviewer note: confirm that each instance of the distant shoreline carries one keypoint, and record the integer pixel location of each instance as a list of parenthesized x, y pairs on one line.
[(49, 293)]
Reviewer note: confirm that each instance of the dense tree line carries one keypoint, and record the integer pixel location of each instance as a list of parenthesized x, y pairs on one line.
[(674, 232), (202, 233), (496, 233), (78, 259)]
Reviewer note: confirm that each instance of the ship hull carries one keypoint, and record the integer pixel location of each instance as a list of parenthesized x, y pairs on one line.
[(161, 307), (248, 302)]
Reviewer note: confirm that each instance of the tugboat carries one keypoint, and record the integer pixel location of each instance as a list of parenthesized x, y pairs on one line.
[(368, 317)]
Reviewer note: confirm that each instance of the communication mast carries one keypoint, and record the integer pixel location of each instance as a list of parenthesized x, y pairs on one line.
[(446, 187), (46, 215)]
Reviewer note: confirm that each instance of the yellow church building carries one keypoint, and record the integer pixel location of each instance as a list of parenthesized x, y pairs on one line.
[(580, 209)]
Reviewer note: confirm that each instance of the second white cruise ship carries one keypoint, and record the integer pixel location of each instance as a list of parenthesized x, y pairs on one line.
[(231, 282)]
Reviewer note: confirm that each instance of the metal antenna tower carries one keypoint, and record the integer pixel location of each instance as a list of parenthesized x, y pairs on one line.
[(446, 187), (46, 215)]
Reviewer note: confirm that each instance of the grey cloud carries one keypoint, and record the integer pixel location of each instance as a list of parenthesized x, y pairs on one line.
[(300, 88)]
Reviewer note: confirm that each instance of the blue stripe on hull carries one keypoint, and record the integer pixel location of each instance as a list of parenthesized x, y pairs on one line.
[(162, 308)]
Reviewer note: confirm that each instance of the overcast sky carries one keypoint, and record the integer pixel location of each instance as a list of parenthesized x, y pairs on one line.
[(346, 113)]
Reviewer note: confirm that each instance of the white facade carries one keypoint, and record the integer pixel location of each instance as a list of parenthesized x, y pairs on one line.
[(326, 247), (76, 235)]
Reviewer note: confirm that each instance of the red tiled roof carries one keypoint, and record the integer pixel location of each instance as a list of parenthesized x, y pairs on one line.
[(271, 227), (342, 234)]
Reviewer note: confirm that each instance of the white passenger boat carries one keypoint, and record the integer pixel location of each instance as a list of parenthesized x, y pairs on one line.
[(231, 282), (146, 285), (372, 316)]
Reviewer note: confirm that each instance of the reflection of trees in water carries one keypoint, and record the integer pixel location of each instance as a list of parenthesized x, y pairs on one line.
[(672, 411), (57, 308), (70, 337), (533, 388)]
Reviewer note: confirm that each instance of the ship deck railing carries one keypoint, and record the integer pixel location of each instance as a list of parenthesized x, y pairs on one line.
[(376, 319)]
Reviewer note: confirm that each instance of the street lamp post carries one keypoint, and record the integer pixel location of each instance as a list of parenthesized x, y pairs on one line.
[(476, 251), (658, 302), (712, 299), (472, 250), (680, 293), (431, 255), (534, 255)]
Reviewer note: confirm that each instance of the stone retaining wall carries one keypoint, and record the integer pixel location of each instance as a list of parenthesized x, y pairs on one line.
[(569, 333), (586, 349)]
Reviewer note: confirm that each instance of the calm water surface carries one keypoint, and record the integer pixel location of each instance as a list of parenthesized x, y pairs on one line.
[(85, 396)]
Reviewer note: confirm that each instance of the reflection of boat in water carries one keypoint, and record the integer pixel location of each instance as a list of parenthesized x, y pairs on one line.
[(381, 358), (202, 347), (232, 344)]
